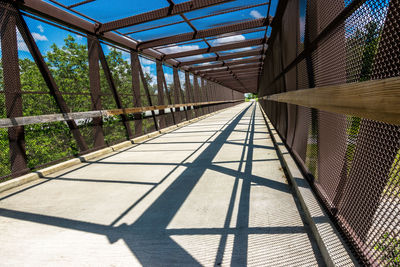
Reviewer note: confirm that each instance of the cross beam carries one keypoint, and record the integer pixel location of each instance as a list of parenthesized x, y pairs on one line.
[(255, 23), (236, 45), (221, 58), (171, 10)]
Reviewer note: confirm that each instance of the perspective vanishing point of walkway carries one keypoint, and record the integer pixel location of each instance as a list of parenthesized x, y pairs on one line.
[(208, 194)]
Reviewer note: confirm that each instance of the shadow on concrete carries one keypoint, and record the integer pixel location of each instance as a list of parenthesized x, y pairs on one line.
[(149, 238)]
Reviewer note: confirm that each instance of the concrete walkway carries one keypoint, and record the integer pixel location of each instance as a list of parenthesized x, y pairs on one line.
[(209, 194)]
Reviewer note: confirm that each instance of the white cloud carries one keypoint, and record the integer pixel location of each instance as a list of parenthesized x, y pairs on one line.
[(39, 37), (177, 49), (78, 37), (255, 14), (228, 39), (169, 78), (21, 44), (40, 27), (146, 61)]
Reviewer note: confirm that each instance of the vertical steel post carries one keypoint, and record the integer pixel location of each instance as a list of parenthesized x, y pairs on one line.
[(188, 94), (178, 94), (137, 101), (160, 93), (12, 89), (95, 92)]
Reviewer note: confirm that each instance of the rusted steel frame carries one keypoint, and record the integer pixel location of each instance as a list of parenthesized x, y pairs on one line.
[(137, 101), (12, 91), (347, 11), (204, 86), (63, 17), (205, 33), (48, 78), (95, 91), (197, 95), (159, 14), (239, 44), (167, 92), (247, 67), (146, 90), (178, 93), (160, 94), (113, 88), (188, 90), (232, 63), (220, 58), (202, 17)]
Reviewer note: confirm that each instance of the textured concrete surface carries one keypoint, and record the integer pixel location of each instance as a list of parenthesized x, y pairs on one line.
[(211, 193)]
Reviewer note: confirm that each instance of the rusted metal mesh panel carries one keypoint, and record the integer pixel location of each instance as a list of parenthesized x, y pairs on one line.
[(353, 163)]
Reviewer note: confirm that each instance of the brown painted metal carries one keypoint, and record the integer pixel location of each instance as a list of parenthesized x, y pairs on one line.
[(189, 93), (146, 90), (159, 14), (12, 90), (178, 95), (137, 101), (224, 11), (168, 93), (48, 78), (113, 88), (235, 45), (160, 94), (95, 91), (205, 33), (221, 58)]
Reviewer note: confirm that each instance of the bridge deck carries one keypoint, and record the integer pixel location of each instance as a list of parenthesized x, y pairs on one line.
[(211, 193)]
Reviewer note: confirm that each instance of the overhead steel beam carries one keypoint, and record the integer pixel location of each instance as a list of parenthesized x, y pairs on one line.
[(247, 67), (231, 63), (171, 10), (239, 44), (63, 17), (261, 22), (221, 58)]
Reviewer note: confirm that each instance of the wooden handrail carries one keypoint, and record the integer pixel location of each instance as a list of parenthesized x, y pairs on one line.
[(376, 100), (19, 121)]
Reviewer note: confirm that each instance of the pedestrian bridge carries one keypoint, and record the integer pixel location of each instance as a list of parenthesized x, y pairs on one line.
[(126, 140), (207, 194)]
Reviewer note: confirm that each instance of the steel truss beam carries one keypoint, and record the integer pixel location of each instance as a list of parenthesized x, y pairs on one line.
[(240, 44), (172, 10), (221, 58), (232, 63), (261, 22)]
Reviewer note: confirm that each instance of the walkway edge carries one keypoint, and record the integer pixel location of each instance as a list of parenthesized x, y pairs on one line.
[(334, 250), (18, 181)]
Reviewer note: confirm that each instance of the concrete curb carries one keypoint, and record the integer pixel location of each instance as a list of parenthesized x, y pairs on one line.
[(334, 250), (96, 154)]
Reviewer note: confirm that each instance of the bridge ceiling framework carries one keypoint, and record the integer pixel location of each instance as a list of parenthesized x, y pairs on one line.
[(183, 34)]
